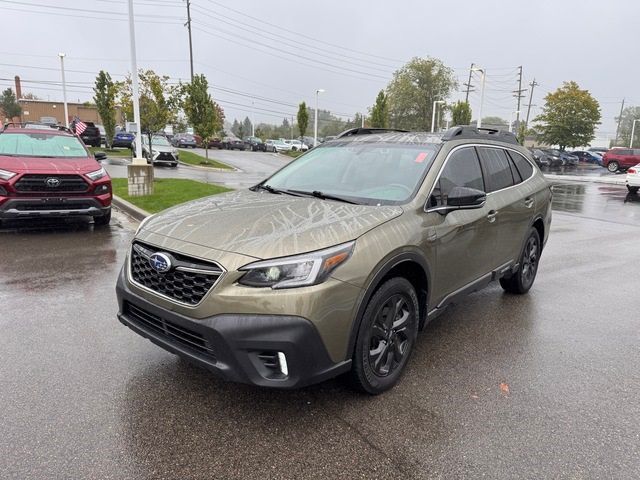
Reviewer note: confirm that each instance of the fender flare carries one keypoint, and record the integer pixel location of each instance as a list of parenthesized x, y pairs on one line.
[(384, 267)]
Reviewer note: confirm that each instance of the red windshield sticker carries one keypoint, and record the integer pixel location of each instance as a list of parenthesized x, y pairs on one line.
[(422, 156)]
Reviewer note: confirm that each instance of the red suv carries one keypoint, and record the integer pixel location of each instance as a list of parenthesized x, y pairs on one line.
[(48, 172), (621, 159)]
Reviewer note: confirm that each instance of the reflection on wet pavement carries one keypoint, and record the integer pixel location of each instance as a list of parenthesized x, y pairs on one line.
[(600, 201)]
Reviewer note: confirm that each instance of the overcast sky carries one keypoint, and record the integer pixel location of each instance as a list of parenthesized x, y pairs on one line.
[(274, 54)]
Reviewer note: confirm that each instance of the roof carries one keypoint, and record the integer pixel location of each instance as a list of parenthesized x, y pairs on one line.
[(33, 127), (400, 136)]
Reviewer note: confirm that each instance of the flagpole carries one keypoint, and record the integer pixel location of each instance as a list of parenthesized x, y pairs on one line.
[(134, 80)]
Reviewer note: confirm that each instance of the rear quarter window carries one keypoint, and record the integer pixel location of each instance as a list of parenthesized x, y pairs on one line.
[(497, 170), (523, 165)]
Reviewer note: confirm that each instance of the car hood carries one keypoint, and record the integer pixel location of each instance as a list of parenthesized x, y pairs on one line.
[(48, 165), (162, 148), (264, 225)]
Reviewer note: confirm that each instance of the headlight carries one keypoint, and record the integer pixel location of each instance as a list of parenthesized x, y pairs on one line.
[(296, 271), (98, 174), (6, 175), (145, 220), (155, 152)]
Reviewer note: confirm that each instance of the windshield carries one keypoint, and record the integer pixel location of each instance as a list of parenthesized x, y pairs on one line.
[(41, 145), (365, 172), (159, 141)]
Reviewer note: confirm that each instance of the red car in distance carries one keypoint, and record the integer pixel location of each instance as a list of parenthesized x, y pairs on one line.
[(48, 172), (621, 159)]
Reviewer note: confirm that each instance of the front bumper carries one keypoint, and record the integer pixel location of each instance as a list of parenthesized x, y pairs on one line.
[(52, 207), (240, 348)]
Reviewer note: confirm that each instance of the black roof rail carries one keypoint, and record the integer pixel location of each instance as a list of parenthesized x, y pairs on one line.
[(367, 131), (469, 132), (35, 125)]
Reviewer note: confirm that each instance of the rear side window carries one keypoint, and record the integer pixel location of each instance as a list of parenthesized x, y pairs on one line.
[(636, 151), (497, 170), (522, 165), (621, 151), (461, 170)]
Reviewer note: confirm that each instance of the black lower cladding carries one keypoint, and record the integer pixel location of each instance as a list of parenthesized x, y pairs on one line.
[(240, 348), (184, 286)]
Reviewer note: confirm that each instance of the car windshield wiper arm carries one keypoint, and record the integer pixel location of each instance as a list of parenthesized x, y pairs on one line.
[(325, 196), (270, 189)]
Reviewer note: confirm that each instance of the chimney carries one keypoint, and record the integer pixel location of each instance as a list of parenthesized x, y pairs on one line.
[(18, 87)]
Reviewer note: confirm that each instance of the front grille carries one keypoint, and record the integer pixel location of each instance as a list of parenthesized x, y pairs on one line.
[(40, 183), (169, 330), (52, 206), (165, 156), (181, 283)]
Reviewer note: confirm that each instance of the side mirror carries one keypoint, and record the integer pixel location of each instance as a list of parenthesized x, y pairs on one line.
[(464, 197), (100, 156)]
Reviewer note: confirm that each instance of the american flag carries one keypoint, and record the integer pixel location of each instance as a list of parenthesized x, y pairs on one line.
[(80, 126)]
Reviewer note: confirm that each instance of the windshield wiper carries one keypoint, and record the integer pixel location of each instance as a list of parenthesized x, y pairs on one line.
[(325, 196), (270, 189)]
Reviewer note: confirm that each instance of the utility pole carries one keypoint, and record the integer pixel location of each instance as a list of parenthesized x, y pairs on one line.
[(532, 85), (468, 84), (188, 25), (619, 119), (519, 95)]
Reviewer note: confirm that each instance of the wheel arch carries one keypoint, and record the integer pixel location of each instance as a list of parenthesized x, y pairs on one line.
[(410, 265)]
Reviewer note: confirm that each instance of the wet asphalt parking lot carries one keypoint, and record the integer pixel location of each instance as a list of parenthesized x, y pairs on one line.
[(540, 386)]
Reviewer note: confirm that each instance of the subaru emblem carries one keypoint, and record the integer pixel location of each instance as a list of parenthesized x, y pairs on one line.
[(52, 182), (160, 262)]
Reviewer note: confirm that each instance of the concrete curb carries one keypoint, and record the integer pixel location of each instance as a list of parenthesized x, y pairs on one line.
[(129, 208), (620, 180)]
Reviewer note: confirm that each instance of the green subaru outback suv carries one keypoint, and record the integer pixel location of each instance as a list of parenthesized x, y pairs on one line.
[(336, 262)]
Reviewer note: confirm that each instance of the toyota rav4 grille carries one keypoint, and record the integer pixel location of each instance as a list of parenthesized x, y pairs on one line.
[(51, 183)]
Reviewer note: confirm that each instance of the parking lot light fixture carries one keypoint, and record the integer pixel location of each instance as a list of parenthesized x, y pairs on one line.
[(315, 123), (433, 115), (64, 91), (633, 132)]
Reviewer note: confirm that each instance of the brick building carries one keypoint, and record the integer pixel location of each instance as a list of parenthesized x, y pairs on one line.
[(38, 110)]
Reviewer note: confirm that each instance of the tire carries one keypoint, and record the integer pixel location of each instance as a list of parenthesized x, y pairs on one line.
[(633, 189), (102, 221), (376, 368), (521, 282), (613, 166), (174, 165)]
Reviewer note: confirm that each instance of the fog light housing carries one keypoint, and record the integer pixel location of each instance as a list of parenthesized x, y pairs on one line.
[(101, 189)]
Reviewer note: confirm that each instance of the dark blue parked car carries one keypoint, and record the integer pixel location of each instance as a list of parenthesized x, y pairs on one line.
[(123, 139), (589, 157)]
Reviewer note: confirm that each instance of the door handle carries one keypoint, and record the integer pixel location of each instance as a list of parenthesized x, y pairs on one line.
[(528, 202), (492, 216)]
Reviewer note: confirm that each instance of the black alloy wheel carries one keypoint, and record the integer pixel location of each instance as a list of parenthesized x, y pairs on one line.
[(386, 336), (522, 281)]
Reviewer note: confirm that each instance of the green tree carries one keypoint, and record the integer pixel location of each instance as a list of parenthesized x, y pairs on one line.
[(247, 126), (9, 105), (236, 128), (105, 91), (569, 117), (461, 113), (160, 103), (414, 88), (205, 115), (303, 119), (379, 113), (629, 114)]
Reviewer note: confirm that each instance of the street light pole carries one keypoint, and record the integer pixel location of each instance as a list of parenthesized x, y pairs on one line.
[(136, 92), (633, 132), (315, 123), (484, 74), (433, 115), (64, 91)]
